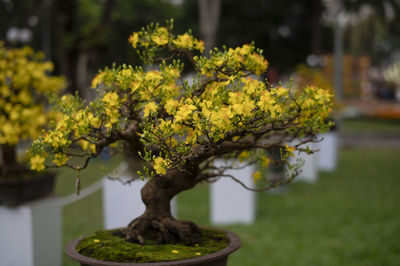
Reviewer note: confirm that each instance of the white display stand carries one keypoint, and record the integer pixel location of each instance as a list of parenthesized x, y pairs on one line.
[(309, 170), (122, 203), (327, 156), (230, 202), (31, 234)]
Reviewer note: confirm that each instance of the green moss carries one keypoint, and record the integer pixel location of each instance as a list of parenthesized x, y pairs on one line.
[(111, 246)]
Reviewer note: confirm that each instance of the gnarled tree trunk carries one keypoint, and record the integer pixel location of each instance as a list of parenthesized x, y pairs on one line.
[(157, 222)]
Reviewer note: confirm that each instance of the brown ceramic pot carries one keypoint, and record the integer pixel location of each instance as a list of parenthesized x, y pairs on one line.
[(15, 192), (219, 258)]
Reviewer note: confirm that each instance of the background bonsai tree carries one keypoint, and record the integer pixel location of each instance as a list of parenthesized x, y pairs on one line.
[(24, 88), (178, 128)]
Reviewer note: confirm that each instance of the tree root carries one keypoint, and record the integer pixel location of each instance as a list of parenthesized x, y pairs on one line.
[(165, 230)]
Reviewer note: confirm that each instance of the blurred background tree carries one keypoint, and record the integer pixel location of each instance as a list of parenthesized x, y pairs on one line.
[(81, 36), (373, 28)]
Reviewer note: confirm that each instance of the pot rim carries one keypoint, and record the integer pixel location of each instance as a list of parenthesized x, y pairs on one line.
[(29, 177), (234, 244)]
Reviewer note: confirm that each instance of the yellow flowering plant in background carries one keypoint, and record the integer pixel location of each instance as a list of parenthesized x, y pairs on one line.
[(25, 86), (178, 128), (315, 76)]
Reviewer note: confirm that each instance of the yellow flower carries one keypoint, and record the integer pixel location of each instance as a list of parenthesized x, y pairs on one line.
[(96, 241), (184, 41), (110, 99), (238, 108), (191, 137), (261, 64), (134, 39), (243, 155), (173, 142), (87, 146), (60, 159), (198, 253), (281, 91), (93, 121), (160, 165), (265, 161), (184, 112), (199, 45), (290, 150), (256, 176), (150, 107), (37, 163), (161, 36), (266, 101), (97, 80), (170, 106), (153, 76), (175, 251), (135, 85)]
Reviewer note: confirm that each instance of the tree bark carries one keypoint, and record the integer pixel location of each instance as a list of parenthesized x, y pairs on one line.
[(316, 27), (209, 11), (156, 222), (9, 164), (82, 77)]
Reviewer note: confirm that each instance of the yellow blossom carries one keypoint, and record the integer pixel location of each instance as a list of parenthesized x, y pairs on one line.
[(97, 80), (134, 39), (25, 84), (93, 121), (199, 45), (161, 36), (160, 165), (265, 161), (244, 155), (184, 41), (110, 99), (87, 146), (173, 142), (184, 112), (60, 159), (290, 150), (37, 163), (191, 137), (256, 176), (150, 107)]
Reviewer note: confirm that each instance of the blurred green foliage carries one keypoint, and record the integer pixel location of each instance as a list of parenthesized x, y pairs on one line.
[(287, 31)]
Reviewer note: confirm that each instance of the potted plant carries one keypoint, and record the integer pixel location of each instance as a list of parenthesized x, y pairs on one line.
[(326, 159), (178, 130), (24, 88)]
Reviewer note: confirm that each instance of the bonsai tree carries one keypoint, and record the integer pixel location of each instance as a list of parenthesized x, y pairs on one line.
[(179, 128), (24, 89)]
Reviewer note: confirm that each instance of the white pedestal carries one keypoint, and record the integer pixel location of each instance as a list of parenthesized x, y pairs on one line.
[(327, 156), (230, 202), (122, 203), (31, 234), (309, 170)]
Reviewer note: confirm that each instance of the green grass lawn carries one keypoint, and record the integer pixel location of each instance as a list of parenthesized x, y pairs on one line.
[(370, 125), (83, 216), (350, 217), (97, 168)]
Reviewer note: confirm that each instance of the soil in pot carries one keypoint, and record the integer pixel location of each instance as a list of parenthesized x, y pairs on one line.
[(111, 246)]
